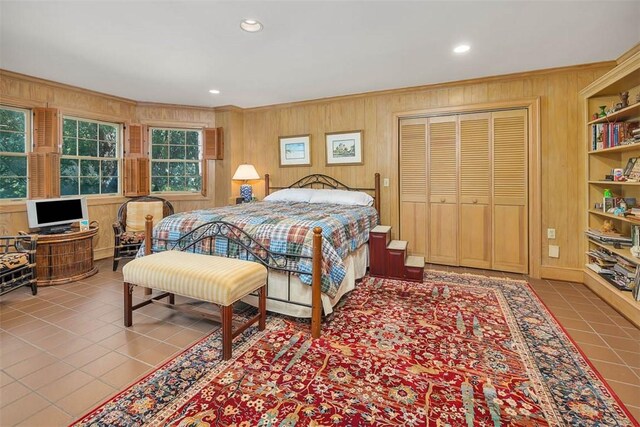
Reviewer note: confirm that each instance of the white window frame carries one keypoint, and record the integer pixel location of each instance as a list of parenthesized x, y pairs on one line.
[(28, 143), (118, 158), (199, 160)]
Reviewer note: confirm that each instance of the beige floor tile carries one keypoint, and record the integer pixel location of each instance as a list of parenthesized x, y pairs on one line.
[(84, 398), (12, 392), (137, 345), (620, 343), (21, 409), (5, 379), (635, 411), (51, 416), (67, 348), (32, 364), (47, 375), (126, 373), (66, 385), (586, 337), (104, 364), (102, 332), (579, 325), (596, 352), (86, 355), (19, 355), (615, 372), (184, 338), (631, 358), (164, 331), (157, 354), (626, 392)]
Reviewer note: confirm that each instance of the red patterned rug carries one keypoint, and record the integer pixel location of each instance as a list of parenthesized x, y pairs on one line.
[(457, 350)]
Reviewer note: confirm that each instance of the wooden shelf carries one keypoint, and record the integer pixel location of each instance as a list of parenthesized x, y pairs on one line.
[(614, 182), (622, 301), (621, 218), (625, 114), (628, 147), (623, 252)]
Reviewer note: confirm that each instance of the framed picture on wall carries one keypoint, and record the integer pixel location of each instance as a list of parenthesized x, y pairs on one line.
[(295, 150), (344, 148)]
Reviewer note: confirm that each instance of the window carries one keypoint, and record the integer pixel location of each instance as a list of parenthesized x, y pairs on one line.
[(176, 160), (15, 138), (89, 161)]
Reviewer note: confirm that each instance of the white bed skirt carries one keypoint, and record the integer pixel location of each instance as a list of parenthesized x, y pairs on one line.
[(356, 264)]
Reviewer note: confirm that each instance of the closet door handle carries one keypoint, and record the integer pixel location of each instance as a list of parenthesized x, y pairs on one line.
[(474, 201), (443, 200)]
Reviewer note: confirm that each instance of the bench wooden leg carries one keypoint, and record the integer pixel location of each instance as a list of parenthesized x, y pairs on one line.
[(262, 307), (172, 298), (227, 333), (128, 302)]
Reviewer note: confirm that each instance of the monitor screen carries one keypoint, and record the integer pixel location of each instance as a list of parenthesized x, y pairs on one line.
[(50, 212)]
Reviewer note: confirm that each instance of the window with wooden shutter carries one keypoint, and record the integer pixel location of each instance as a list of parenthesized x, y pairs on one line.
[(176, 160), (213, 144), (44, 175), (15, 139), (46, 130)]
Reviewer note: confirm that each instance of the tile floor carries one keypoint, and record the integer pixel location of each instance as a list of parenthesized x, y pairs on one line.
[(65, 350)]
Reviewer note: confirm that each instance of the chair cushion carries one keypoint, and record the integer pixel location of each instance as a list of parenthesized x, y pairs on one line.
[(13, 260), (131, 237), (137, 211), (210, 278)]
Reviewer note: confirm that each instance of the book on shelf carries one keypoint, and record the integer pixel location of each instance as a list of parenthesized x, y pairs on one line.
[(609, 237), (621, 273), (609, 135)]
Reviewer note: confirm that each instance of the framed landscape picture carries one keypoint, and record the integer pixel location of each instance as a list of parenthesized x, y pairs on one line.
[(344, 148), (295, 150)]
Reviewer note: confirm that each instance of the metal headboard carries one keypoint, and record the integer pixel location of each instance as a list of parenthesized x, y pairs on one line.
[(318, 180)]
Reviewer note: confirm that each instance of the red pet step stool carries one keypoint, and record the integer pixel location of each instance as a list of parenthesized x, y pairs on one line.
[(388, 258)]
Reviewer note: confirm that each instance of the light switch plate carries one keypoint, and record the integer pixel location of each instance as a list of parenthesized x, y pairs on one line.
[(551, 233), (554, 251), (385, 182)]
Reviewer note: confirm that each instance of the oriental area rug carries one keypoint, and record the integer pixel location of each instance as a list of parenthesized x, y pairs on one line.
[(456, 350)]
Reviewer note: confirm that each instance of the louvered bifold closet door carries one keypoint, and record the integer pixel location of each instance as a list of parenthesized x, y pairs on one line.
[(510, 218), (475, 195), (413, 185), (443, 190)]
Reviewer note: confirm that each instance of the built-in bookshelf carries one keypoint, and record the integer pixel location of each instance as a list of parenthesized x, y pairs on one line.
[(610, 144)]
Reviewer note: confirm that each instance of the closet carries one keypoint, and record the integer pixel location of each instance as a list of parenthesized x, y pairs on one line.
[(463, 189)]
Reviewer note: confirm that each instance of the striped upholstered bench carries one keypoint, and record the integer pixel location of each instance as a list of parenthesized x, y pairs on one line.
[(218, 280)]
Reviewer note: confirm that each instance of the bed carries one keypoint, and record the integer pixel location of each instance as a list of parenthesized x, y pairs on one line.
[(284, 224)]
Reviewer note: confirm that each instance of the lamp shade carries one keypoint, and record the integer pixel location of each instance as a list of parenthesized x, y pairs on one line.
[(245, 172)]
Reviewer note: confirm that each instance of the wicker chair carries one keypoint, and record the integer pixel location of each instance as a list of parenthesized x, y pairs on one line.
[(18, 263), (129, 227)]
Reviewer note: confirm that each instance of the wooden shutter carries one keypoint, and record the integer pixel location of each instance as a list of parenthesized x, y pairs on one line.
[(413, 160), (213, 144), (443, 169), (413, 184), (136, 144), (136, 177), (509, 157), (46, 130), (509, 215), (44, 175), (474, 158)]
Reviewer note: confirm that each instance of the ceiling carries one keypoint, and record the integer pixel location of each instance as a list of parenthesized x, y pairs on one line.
[(175, 51)]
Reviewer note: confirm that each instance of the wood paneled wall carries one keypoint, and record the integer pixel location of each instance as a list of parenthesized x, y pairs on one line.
[(28, 92), (251, 136), (560, 135)]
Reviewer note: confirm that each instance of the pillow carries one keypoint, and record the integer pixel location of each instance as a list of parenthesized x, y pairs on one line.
[(290, 195), (342, 197), (137, 211)]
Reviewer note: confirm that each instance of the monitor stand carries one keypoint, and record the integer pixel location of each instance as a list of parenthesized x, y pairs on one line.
[(58, 229)]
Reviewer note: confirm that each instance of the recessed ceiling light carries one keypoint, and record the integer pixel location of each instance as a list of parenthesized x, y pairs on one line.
[(214, 91), (462, 48), (251, 25)]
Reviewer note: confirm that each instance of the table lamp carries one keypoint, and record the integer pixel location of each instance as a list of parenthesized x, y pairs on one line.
[(244, 173)]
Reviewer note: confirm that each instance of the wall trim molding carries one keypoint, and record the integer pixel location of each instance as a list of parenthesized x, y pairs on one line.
[(534, 162), (564, 274)]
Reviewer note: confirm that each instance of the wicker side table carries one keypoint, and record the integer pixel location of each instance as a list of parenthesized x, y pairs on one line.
[(66, 257)]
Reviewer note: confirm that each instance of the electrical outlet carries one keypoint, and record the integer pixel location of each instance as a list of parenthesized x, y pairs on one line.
[(551, 233), (385, 182), (554, 251)]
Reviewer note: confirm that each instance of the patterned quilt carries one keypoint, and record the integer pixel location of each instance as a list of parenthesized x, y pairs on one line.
[(286, 228)]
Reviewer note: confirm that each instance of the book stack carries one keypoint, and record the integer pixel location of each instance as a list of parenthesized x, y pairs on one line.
[(614, 269), (609, 135), (609, 238)]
